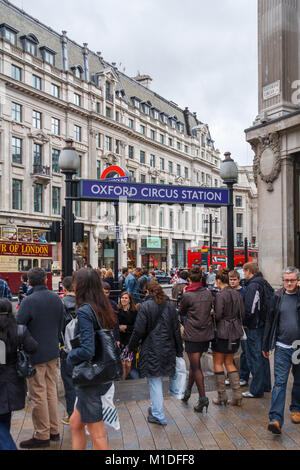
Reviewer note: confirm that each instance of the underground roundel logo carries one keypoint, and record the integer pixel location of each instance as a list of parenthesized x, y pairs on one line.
[(114, 172)]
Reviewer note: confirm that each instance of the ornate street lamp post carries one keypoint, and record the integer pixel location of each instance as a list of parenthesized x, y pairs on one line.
[(69, 163), (229, 175)]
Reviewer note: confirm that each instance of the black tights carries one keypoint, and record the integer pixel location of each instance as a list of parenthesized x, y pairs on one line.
[(196, 374)]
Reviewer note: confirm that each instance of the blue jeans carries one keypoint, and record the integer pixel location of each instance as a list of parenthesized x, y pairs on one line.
[(244, 366), (66, 375), (157, 398), (282, 367), (6, 441), (259, 366)]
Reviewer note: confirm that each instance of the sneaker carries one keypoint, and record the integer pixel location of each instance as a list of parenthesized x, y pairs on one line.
[(153, 420), (243, 383), (66, 420), (248, 395), (274, 427), (34, 443), (295, 417), (227, 382)]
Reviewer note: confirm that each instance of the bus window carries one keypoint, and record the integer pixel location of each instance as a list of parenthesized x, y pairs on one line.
[(35, 263), (24, 265), (46, 264)]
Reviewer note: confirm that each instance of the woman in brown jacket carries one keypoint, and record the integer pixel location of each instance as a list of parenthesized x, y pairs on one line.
[(196, 306), (229, 314)]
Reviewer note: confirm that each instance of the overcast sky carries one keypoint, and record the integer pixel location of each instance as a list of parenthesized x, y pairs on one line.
[(200, 53)]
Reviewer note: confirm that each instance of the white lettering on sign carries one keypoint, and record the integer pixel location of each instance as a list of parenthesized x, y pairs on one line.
[(2, 353), (271, 90)]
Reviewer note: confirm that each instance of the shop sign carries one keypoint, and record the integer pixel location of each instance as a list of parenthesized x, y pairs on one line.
[(25, 249), (154, 242), (152, 194)]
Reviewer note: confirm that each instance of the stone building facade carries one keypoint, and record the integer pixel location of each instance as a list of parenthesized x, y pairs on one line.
[(275, 137), (52, 89)]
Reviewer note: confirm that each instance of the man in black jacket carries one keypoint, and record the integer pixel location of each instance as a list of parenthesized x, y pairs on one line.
[(256, 306), (281, 332), (43, 313)]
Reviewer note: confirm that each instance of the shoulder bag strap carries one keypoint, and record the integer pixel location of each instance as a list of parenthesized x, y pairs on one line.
[(97, 319)]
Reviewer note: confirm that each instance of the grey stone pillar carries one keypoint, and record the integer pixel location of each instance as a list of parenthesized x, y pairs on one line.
[(64, 46)]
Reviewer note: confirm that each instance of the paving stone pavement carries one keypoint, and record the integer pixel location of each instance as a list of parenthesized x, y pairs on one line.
[(222, 428)]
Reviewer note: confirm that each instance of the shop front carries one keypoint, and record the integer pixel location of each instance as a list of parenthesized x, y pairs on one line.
[(154, 252)]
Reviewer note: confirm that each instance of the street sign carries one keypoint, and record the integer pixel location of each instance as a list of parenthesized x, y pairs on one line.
[(96, 190)]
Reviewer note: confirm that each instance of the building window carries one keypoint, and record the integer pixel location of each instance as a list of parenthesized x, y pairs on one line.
[(130, 151), (130, 123), (155, 114), (178, 170), (16, 73), (186, 149), (161, 164), (55, 91), (108, 143), (186, 173), (77, 133), (31, 47), (118, 146), (132, 176), (143, 214), (16, 150), (37, 119), (142, 157), (55, 160), (170, 142), (170, 167), (98, 140), (37, 154), (98, 210), (131, 213), (238, 201), (16, 112), (152, 134), (152, 161), (108, 112), (143, 178), (179, 220), (153, 180), (77, 99), (142, 129), (77, 208), (239, 220), (180, 127), (79, 171), (153, 217), (98, 169), (146, 109), (178, 146), (239, 240), (216, 183), (48, 55), (10, 35), (55, 201), (186, 221), (38, 197), (161, 218), (161, 138), (36, 82), (17, 195), (55, 126), (171, 220)]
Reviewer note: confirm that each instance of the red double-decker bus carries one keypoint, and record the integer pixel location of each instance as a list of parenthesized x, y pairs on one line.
[(200, 256), (20, 250)]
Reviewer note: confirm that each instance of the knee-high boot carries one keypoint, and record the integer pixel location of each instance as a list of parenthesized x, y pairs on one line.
[(221, 389), (237, 396)]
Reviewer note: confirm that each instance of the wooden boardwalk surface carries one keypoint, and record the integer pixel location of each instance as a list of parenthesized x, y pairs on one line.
[(229, 428)]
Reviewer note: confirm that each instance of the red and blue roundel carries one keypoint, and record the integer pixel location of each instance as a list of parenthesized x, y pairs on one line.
[(113, 172)]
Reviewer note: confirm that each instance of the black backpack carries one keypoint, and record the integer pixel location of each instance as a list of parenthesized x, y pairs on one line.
[(267, 299)]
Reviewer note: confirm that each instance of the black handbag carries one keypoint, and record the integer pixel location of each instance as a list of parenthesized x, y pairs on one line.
[(105, 367), (25, 369)]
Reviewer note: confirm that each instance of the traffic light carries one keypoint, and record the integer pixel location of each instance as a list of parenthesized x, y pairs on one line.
[(78, 233), (54, 234)]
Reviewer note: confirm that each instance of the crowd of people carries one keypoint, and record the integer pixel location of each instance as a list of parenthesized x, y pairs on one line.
[(211, 311)]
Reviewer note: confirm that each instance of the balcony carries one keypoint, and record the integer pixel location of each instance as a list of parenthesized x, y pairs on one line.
[(41, 173)]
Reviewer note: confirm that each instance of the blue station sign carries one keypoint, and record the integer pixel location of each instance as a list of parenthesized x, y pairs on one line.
[(152, 194)]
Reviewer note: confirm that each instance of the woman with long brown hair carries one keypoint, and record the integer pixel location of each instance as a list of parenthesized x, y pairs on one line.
[(91, 307), (127, 313), (157, 326)]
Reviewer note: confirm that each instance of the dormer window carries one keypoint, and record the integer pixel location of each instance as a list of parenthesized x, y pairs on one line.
[(9, 33), (136, 102), (180, 126), (155, 113), (145, 108), (164, 118), (77, 71), (30, 43), (48, 55), (173, 123)]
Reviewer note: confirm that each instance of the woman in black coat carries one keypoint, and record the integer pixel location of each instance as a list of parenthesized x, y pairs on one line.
[(127, 313), (12, 387), (157, 326)]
